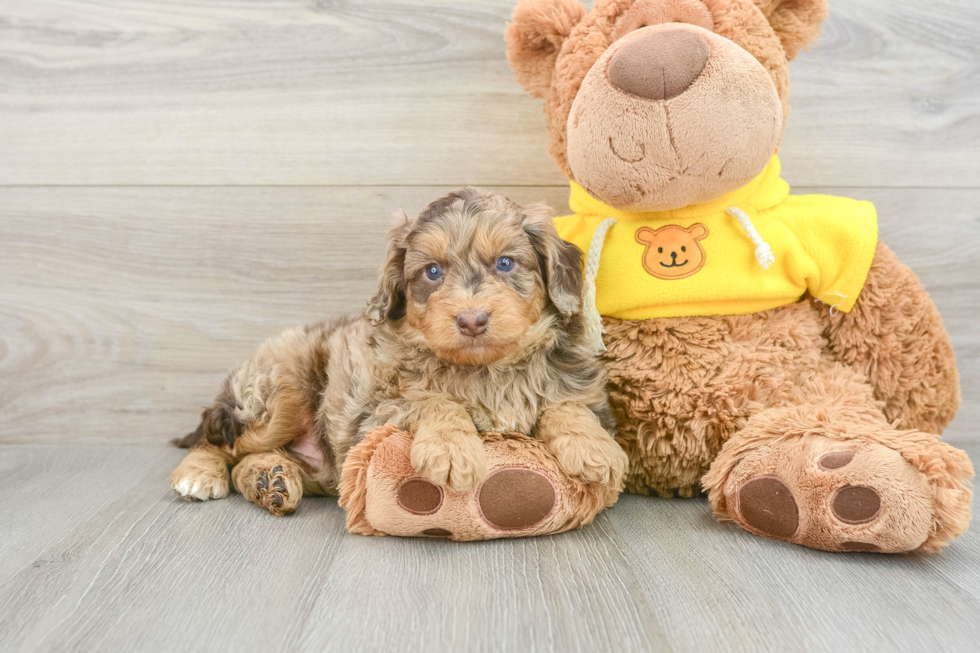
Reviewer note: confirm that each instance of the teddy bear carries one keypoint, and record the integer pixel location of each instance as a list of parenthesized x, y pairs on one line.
[(526, 493), (763, 348)]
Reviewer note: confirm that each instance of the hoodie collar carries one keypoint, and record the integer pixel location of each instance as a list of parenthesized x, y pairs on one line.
[(763, 192)]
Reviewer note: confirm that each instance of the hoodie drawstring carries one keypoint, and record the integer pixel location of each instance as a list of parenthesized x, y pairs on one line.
[(593, 321), (763, 253)]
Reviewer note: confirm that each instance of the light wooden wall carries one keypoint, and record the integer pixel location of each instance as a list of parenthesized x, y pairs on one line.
[(179, 181)]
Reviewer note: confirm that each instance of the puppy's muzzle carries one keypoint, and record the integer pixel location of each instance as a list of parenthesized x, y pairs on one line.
[(473, 322)]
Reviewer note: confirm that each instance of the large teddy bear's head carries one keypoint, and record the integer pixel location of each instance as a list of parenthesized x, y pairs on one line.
[(654, 105)]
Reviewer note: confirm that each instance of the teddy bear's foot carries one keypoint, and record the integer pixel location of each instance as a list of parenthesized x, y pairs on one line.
[(797, 476), (525, 492)]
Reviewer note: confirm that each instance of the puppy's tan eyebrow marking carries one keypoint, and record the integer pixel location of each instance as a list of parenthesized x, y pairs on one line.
[(430, 243), (494, 240)]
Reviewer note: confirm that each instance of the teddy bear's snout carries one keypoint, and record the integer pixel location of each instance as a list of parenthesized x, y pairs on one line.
[(659, 65)]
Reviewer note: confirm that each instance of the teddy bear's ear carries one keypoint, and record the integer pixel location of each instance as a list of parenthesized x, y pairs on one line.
[(698, 231), (645, 235), (534, 38), (796, 22)]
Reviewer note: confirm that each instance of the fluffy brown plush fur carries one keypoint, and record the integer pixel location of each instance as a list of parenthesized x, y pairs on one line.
[(287, 418), (746, 407), (552, 45)]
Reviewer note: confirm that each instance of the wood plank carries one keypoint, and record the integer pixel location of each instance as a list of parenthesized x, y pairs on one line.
[(377, 92), (889, 97), (149, 572), (121, 309), (60, 489), (136, 569)]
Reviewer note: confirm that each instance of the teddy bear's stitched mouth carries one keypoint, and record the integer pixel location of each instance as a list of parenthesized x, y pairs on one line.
[(643, 152), (675, 264)]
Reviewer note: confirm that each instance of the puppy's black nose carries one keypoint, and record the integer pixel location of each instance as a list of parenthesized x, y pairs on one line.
[(473, 322), (673, 255)]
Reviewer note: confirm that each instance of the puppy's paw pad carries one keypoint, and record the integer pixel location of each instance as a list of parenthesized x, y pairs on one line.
[(272, 492)]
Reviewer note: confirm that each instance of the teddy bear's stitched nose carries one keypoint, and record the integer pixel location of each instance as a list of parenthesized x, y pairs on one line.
[(660, 65)]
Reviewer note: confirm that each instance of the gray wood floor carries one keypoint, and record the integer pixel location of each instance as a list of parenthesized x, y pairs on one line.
[(96, 554), (179, 181)]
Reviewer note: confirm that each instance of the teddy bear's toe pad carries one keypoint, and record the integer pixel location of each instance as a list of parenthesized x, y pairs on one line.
[(768, 506), (812, 492), (437, 532), (515, 498), (854, 504), (419, 496), (835, 459)]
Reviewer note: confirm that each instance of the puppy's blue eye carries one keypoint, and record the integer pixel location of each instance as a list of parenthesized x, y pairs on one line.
[(505, 264), (433, 272)]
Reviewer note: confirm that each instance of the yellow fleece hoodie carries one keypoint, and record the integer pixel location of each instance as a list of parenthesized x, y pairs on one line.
[(754, 249)]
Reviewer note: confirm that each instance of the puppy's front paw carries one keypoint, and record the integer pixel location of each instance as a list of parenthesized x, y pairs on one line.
[(196, 482), (593, 459), (454, 460)]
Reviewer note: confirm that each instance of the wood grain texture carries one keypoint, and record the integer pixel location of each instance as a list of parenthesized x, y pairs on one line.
[(244, 159), (104, 557), (121, 309), (145, 92)]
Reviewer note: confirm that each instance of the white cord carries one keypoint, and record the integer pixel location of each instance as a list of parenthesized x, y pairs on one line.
[(593, 321), (763, 253), (841, 298)]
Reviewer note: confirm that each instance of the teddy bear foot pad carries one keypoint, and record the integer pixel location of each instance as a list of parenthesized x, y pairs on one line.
[(525, 492), (835, 495), (511, 498)]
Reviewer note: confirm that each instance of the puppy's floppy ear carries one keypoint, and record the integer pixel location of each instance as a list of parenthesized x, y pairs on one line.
[(560, 261), (534, 38), (796, 22), (389, 302)]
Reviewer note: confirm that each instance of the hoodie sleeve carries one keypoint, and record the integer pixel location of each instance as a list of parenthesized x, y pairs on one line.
[(839, 236)]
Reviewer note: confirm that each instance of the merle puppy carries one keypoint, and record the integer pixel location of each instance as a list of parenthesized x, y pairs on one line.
[(476, 326)]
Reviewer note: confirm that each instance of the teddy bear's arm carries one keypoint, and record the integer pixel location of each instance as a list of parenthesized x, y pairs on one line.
[(895, 336)]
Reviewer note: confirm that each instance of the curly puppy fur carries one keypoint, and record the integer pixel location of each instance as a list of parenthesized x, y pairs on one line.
[(417, 360)]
